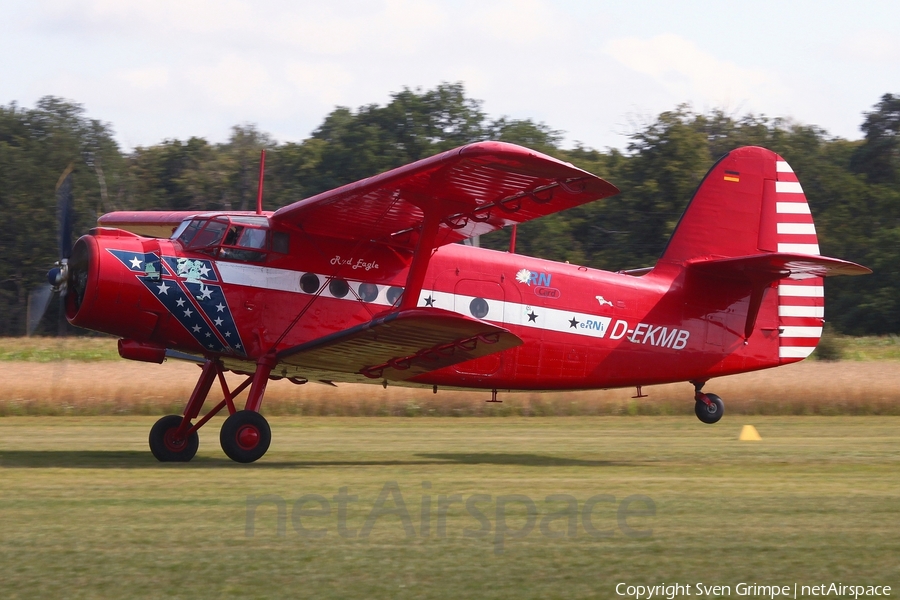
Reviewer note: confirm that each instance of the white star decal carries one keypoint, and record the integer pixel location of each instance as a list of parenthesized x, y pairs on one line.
[(208, 334), (163, 289), (205, 293), (135, 263), (179, 302), (220, 307), (237, 345), (204, 270), (227, 334), (219, 322), (188, 312), (196, 328)]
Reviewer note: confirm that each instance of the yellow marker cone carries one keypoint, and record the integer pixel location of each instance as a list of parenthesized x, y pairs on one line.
[(749, 434)]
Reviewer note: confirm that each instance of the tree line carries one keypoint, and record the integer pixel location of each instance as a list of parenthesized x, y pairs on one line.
[(853, 187)]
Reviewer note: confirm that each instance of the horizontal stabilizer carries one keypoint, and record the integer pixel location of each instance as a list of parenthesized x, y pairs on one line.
[(402, 345), (776, 265)]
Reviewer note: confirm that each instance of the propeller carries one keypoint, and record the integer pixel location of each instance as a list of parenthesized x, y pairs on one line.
[(58, 276)]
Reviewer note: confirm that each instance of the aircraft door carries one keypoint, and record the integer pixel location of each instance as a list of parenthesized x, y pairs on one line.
[(482, 300)]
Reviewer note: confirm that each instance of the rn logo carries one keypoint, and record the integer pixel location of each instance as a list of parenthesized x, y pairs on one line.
[(528, 278), (540, 281)]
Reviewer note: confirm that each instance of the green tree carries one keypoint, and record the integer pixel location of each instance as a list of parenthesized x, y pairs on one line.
[(36, 145), (879, 157), (413, 125)]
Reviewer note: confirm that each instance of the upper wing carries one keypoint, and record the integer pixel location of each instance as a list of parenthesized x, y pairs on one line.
[(470, 190)]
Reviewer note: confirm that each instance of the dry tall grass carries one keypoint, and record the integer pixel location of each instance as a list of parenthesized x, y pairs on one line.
[(123, 387)]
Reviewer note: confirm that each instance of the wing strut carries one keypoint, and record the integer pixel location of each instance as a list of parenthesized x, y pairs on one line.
[(424, 249)]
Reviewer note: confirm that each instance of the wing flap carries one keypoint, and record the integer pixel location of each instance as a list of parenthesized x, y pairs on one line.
[(402, 345)]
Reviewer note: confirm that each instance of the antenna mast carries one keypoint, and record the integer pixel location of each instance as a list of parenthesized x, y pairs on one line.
[(262, 168)]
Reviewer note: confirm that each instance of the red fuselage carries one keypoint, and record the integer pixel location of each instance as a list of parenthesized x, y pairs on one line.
[(582, 328)]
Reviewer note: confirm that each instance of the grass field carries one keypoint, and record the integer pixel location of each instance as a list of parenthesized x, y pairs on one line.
[(88, 513)]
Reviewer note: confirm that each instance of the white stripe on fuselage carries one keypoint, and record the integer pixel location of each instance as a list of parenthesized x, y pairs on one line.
[(499, 311), (523, 315)]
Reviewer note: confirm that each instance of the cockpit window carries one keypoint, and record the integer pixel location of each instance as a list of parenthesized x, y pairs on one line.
[(236, 238), (186, 231), (210, 235)]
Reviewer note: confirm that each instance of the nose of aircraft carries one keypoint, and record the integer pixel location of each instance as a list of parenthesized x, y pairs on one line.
[(54, 276), (72, 276)]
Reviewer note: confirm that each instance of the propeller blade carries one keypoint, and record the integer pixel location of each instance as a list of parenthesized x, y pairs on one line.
[(65, 212), (38, 301)]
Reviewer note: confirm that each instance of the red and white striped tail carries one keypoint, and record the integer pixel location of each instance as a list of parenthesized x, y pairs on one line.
[(801, 298)]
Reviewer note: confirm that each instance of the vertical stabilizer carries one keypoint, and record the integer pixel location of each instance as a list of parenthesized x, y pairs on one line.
[(751, 205)]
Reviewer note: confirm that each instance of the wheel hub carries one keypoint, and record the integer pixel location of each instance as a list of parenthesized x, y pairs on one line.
[(173, 441), (247, 437)]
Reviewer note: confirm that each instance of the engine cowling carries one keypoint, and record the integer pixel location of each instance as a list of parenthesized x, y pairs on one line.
[(101, 294)]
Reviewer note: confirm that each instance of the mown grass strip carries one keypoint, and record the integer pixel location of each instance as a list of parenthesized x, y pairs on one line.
[(88, 513)]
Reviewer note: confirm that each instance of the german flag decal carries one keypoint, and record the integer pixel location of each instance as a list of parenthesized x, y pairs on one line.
[(732, 176)]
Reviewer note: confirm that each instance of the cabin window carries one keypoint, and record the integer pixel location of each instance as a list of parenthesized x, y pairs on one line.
[(244, 243)]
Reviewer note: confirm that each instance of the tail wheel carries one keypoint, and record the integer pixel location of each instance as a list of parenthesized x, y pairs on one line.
[(709, 412), (245, 436), (167, 446)]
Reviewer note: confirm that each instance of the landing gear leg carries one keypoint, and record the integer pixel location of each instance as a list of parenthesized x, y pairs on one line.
[(246, 435), (709, 408), (174, 438)]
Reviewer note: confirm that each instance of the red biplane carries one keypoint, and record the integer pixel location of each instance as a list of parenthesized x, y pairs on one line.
[(365, 284)]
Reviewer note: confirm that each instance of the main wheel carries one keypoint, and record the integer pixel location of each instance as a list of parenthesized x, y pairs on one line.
[(245, 436), (166, 446), (712, 412)]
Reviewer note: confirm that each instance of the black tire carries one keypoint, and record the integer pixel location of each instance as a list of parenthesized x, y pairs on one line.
[(245, 436), (710, 413), (165, 447)]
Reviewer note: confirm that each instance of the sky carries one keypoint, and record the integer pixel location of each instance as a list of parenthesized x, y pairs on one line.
[(597, 70)]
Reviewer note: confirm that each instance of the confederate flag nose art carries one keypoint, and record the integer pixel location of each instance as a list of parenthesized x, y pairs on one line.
[(188, 290)]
